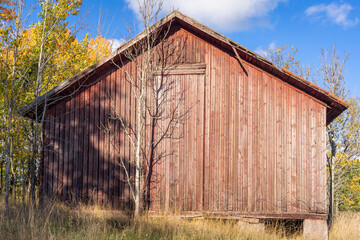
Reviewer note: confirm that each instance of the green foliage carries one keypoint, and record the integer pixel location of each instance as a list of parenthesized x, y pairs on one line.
[(351, 192)]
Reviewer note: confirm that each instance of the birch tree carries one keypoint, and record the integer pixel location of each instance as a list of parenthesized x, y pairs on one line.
[(51, 29), (11, 80)]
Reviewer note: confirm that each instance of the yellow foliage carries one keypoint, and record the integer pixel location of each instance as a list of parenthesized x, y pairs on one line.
[(98, 48), (64, 54)]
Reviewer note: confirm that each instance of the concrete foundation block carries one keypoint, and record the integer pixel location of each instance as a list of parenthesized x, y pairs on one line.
[(252, 225), (315, 230)]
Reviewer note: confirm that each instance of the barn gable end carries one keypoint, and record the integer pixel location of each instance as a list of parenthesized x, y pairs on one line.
[(254, 142)]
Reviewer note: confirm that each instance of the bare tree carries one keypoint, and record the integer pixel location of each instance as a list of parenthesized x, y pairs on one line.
[(158, 102), (284, 57), (343, 132)]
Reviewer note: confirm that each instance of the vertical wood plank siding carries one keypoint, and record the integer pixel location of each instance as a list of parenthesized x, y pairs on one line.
[(250, 143)]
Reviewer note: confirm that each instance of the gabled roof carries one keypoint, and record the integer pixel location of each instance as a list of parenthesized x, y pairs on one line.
[(335, 106)]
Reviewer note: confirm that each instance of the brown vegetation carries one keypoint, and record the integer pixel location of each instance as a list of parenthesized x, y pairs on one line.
[(58, 221)]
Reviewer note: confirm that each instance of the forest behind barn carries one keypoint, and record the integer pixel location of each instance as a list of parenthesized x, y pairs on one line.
[(36, 59)]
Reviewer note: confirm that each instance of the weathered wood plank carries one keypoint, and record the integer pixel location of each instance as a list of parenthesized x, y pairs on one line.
[(45, 157), (285, 138), (61, 149), (304, 131), (80, 131), (298, 152), (279, 144), (207, 117), (233, 178), (75, 163), (56, 135), (293, 143), (86, 150), (261, 160), (51, 159), (271, 111), (321, 159), (66, 150), (71, 143)]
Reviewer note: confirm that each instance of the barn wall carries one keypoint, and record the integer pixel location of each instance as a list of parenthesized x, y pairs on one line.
[(250, 144), (79, 160)]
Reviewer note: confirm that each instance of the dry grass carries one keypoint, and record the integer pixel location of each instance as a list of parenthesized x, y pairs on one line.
[(346, 226), (57, 221)]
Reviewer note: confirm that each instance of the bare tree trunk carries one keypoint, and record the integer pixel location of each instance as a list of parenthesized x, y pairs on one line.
[(143, 73), (1, 177), (14, 187), (7, 172), (330, 160), (10, 101), (138, 160), (32, 167), (35, 126), (331, 193), (140, 140), (8, 138), (24, 179), (332, 73), (150, 167), (138, 170)]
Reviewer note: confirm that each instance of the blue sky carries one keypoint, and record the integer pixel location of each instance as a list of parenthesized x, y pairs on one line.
[(256, 24)]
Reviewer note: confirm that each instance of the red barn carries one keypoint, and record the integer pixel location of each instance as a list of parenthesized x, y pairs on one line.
[(254, 145)]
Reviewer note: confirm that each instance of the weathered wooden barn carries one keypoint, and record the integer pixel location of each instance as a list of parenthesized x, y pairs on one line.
[(253, 145)]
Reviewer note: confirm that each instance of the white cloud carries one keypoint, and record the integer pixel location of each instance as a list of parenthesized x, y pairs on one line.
[(228, 15), (336, 13), (116, 43), (264, 51)]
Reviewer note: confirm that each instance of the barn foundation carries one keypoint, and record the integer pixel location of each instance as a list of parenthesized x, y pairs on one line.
[(252, 224), (315, 229)]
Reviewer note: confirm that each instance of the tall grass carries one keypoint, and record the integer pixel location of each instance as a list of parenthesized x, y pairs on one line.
[(346, 226), (58, 221)]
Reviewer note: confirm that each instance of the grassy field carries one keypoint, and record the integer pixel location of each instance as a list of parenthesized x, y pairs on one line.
[(57, 221)]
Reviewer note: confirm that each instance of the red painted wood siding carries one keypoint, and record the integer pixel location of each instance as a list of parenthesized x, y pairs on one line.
[(250, 144)]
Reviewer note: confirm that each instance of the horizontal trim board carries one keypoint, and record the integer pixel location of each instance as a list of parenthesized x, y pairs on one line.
[(242, 216), (183, 69)]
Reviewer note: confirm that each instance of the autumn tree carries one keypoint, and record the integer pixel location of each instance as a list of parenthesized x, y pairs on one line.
[(52, 42), (50, 31), (11, 81)]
